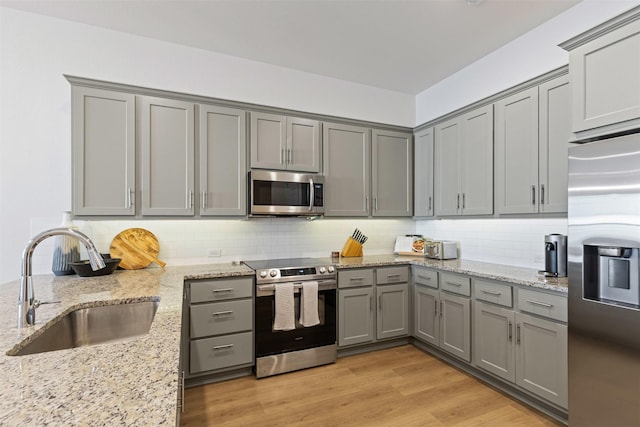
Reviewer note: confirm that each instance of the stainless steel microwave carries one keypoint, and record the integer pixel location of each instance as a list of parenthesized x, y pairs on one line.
[(285, 193)]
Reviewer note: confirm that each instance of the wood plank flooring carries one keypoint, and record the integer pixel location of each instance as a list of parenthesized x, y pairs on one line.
[(401, 386)]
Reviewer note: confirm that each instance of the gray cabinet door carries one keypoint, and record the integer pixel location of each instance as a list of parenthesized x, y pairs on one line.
[(303, 145), (427, 322), (493, 338), (222, 156), (392, 174), (423, 173), (455, 325), (103, 152), (517, 153), (393, 311), (604, 74), (476, 169), (541, 358), (446, 189), (555, 131), (355, 316), (268, 141), (346, 160), (168, 156)]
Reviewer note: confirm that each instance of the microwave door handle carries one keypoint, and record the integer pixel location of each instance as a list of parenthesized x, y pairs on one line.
[(312, 195)]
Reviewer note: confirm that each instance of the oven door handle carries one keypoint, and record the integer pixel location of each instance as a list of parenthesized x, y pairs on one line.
[(270, 289), (312, 195)]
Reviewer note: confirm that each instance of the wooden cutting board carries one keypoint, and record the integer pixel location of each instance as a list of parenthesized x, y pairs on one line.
[(136, 247)]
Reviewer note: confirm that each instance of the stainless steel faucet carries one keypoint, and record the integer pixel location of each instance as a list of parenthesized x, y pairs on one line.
[(27, 303)]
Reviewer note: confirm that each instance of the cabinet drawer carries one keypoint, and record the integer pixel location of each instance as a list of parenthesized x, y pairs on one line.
[(455, 284), (392, 275), (355, 278), (219, 318), (543, 304), (425, 277), (220, 352), (221, 289), (493, 292)]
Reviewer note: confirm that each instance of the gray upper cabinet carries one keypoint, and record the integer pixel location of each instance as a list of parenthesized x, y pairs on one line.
[(463, 183), (423, 173), (222, 157), (285, 143), (532, 139), (347, 154), (604, 63), (392, 179), (168, 156), (103, 126), (554, 134), (517, 152)]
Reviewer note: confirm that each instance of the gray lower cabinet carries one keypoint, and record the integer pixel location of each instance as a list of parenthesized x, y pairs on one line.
[(532, 139), (442, 311), (347, 169), (222, 161), (285, 143), (604, 63), (219, 326), (423, 173), (392, 174), (527, 350), (103, 147), (463, 153), (167, 142), (373, 304)]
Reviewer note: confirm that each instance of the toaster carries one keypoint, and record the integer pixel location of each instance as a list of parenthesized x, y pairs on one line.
[(441, 249)]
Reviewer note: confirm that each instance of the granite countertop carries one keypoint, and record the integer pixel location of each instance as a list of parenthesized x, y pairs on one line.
[(135, 382), (131, 382)]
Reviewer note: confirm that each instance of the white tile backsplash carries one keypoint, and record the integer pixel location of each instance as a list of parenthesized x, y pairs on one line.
[(518, 242)]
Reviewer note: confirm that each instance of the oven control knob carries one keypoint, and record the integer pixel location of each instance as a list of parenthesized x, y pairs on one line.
[(273, 273), (331, 269), (263, 274), (322, 270)]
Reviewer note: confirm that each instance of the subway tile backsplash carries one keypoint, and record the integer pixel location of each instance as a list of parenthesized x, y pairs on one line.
[(517, 242)]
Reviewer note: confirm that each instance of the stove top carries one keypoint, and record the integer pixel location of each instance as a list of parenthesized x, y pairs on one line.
[(287, 263)]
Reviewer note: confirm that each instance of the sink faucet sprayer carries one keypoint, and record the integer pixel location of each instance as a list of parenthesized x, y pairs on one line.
[(27, 303)]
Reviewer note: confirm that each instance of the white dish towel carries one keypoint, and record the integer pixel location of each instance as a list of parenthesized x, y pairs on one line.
[(285, 310), (309, 304)]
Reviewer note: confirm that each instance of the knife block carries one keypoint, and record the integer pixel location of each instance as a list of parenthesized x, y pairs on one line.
[(351, 248)]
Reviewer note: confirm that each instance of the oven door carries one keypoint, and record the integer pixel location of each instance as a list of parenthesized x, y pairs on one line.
[(270, 342), (285, 193)]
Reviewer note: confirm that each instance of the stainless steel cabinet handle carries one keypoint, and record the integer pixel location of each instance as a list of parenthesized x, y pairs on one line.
[(423, 277), (289, 156), (454, 284), (354, 279), (282, 156), (463, 201), (509, 330), (458, 201), (204, 200), (518, 334), (371, 303), (389, 276), (190, 199), (435, 308), (491, 292), (375, 202), (222, 313), (182, 391), (380, 302), (366, 204), (222, 290), (441, 309), (429, 209), (542, 304), (542, 194), (222, 347), (130, 197), (533, 194)]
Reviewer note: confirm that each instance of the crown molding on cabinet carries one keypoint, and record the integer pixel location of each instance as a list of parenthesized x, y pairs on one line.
[(602, 29)]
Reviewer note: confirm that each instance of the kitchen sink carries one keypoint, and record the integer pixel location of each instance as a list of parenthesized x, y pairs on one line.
[(89, 326)]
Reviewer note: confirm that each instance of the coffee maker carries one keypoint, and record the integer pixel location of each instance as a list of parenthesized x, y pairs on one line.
[(555, 255)]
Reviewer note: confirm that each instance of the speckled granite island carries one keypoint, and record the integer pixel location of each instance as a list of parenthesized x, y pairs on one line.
[(135, 382)]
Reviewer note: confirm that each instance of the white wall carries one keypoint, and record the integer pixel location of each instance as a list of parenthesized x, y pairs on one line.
[(35, 142), (526, 57)]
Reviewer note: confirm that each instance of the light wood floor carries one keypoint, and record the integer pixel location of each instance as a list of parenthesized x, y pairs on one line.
[(402, 386)]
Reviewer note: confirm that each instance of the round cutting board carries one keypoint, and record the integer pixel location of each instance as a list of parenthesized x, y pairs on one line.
[(136, 247)]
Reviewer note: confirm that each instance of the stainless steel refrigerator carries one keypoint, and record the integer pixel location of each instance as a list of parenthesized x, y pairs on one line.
[(604, 289)]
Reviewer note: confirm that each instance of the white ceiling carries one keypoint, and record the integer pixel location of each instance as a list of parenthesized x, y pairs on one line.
[(400, 45)]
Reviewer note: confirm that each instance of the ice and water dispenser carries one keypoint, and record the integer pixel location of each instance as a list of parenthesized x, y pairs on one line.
[(611, 273)]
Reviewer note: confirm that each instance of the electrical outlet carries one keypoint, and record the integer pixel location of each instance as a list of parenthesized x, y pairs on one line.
[(539, 259), (214, 253)]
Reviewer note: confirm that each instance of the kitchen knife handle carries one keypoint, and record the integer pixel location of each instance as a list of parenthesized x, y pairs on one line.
[(542, 194)]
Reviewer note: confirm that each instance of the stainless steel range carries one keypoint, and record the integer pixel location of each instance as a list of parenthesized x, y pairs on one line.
[(299, 347)]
